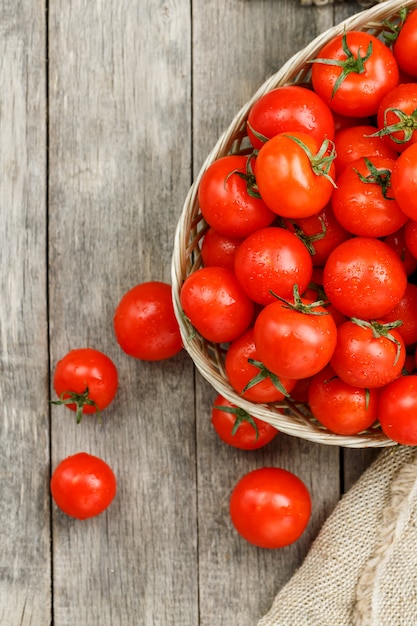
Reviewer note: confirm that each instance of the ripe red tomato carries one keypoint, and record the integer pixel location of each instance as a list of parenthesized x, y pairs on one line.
[(363, 277), (353, 142), (85, 381), (83, 485), (397, 116), (289, 108), (353, 72), (341, 408), (406, 311), (397, 241), (228, 197), (247, 374), (295, 174), (410, 237), (398, 410), (363, 201), (216, 304), (405, 46), (295, 339), (272, 259), (145, 324), (219, 250), (237, 428), (404, 181), (270, 507)]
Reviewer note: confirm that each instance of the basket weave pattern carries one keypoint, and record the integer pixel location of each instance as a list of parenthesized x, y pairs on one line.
[(291, 418)]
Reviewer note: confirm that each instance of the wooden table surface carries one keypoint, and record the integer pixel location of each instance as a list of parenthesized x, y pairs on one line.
[(107, 110)]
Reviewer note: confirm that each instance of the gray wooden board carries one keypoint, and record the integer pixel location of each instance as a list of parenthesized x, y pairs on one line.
[(107, 110)]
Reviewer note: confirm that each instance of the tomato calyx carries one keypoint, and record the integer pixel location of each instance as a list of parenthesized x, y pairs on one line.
[(308, 308), (309, 240), (351, 65), (381, 330), (320, 162), (249, 177), (407, 124), (241, 416), (80, 400), (393, 28), (263, 374), (381, 177)]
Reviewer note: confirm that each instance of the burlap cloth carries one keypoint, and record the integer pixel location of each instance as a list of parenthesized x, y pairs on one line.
[(362, 568)]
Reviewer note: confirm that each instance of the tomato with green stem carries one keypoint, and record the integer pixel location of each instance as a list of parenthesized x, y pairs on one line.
[(86, 381), (358, 141), (397, 117)]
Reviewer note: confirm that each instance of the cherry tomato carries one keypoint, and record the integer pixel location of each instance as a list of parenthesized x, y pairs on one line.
[(368, 354), (363, 277), (397, 241), (272, 260), (406, 311), (410, 237), (83, 485), (404, 181), (363, 201), (289, 108), (270, 507), (216, 304), (341, 408), (145, 324), (295, 339), (85, 381), (398, 410), (397, 116), (218, 249), (354, 142), (295, 174), (405, 46), (237, 428), (247, 374), (228, 198), (353, 72)]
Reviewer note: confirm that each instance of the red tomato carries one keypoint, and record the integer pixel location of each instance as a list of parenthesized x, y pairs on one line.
[(83, 485), (272, 259), (341, 408), (219, 250), (353, 72), (397, 241), (405, 46), (237, 428), (354, 142), (368, 354), (270, 507), (247, 374), (321, 233), (295, 174), (289, 108), (406, 311), (363, 202), (398, 410), (145, 324), (410, 237), (364, 278), (216, 304), (86, 381), (228, 197), (397, 116), (295, 339), (404, 181)]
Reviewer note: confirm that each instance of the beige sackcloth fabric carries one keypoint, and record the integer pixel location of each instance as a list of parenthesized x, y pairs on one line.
[(362, 568)]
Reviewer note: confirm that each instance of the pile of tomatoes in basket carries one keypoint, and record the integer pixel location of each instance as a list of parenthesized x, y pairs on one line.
[(309, 261)]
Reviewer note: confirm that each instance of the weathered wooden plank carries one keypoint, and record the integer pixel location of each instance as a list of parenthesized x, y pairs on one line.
[(120, 154), (25, 583), (247, 41)]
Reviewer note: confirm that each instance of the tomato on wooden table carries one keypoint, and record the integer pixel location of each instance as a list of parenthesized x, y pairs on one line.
[(83, 485), (353, 72), (145, 324), (270, 507), (237, 428), (364, 278), (86, 381), (398, 410), (289, 108)]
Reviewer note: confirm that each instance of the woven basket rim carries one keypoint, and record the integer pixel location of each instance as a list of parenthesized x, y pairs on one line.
[(287, 419)]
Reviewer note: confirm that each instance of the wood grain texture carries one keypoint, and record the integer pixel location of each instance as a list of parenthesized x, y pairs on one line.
[(24, 438)]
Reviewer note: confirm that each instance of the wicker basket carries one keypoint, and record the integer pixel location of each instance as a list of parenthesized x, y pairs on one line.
[(291, 418)]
